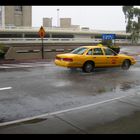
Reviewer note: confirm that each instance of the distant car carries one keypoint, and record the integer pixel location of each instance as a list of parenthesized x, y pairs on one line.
[(90, 57)]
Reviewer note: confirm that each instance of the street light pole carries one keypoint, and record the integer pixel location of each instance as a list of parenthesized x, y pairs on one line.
[(42, 49), (57, 17)]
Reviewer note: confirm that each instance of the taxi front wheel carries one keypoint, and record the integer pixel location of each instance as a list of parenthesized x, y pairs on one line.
[(126, 65), (88, 67)]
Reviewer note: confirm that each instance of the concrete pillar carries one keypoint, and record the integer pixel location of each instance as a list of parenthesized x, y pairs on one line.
[(23, 35), (9, 16), (50, 35), (3, 17)]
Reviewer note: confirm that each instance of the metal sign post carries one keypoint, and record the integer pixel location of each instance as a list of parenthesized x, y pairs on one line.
[(42, 49), (42, 35)]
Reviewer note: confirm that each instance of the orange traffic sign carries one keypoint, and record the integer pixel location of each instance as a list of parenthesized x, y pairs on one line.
[(42, 32)]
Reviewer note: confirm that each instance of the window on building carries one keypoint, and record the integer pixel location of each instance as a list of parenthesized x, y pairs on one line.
[(18, 8)]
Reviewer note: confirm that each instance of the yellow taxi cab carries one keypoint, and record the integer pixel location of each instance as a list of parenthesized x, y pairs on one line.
[(90, 57)]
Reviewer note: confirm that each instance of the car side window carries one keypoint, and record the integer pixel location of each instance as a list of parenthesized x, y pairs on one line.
[(90, 52), (97, 51), (108, 51)]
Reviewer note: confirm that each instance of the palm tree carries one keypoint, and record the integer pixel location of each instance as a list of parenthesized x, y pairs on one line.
[(136, 24), (128, 12), (132, 18)]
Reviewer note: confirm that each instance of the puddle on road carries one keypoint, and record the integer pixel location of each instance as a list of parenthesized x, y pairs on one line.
[(2, 120), (61, 83), (121, 87), (109, 79), (15, 70), (34, 121), (125, 86), (38, 120)]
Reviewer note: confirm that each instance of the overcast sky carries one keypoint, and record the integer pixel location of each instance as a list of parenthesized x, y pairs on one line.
[(94, 17)]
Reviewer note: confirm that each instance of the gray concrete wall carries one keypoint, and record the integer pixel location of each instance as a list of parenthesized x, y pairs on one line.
[(26, 52), (33, 51), (18, 19)]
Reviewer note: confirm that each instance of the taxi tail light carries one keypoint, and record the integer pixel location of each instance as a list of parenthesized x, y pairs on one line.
[(68, 59), (133, 59)]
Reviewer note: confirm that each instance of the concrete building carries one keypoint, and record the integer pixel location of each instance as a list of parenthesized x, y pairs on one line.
[(65, 22), (75, 26), (47, 22), (16, 16)]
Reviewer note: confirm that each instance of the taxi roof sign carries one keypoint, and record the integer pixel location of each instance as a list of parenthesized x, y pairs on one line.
[(41, 32)]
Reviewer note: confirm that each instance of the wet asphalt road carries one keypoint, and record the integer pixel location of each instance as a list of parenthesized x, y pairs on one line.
[(48, 88)]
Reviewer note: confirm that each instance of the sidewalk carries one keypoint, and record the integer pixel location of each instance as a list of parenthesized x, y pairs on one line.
[(120, 116)]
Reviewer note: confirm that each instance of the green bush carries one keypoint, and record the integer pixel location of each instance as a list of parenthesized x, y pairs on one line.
[(110, 45), (2, 51), (115, 49)]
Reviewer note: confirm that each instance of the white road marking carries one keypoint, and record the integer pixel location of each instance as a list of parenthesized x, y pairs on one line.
[(59, 112), (23, 65), (4, 67), (5, 88)]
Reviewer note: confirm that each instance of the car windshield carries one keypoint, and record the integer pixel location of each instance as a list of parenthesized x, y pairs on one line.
[(79, 51)]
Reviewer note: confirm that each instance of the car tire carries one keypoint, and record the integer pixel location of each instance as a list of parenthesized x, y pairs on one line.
[(126, 65), (88, 67)]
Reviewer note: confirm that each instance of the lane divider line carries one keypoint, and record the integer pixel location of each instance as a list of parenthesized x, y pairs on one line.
[(5, 88)]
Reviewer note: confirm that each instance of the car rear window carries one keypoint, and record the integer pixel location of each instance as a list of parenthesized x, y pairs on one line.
[(79, 51), (109, 52)]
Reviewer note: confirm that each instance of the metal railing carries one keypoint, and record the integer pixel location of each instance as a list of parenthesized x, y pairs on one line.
[(58, 40), (59, 29)]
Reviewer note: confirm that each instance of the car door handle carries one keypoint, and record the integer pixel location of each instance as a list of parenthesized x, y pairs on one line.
[(94, 57)]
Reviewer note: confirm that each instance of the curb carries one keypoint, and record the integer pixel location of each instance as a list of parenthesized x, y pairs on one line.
[(24, 61)]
